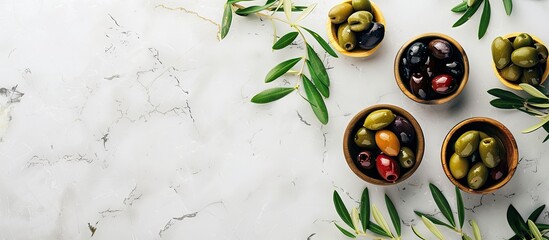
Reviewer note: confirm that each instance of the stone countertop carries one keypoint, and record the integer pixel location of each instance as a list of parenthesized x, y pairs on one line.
[(131, 120)]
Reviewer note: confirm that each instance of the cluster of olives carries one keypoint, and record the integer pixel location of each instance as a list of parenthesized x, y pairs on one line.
[(481, 151), (383, 138), (356, 25), (523, 59), (431, 68)]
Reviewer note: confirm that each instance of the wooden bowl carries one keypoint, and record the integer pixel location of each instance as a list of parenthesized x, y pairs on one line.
[(494, 129), (358, 53), (427, 37), (515, 85), (350, 150)]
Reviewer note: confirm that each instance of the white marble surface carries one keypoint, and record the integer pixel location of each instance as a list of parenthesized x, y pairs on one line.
[(136, 122)]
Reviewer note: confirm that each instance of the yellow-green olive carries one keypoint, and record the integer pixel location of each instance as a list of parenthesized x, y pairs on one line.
[(477, 176), (406, 157), (360, 21), (525, 57), (362, 5), (523, 40), (459, 166), (542, 52), (388, 142), (531, 76), (339, 13), (365, 138), (467, 143), (511, 73), (501, 52), (379, 119), (346, 37), (482, 135), (489, 152)]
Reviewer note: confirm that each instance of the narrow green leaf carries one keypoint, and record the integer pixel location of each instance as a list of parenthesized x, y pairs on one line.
[(315, 99), (460, 208), (515, 221), (442, 204), (537, 100), (432, 219), (285, 40), (416, 232), (378, 217), (542, 227), (546, 138), (317, 66), (268, 1), (537, 125), (226, 21), (506, 104), (305, 13), (532, 90), (253, 9), (377, 230), (235, 1), (345, 232), (281, 69), (342, 210), (461, 7), (432, 227), (365, 209), (535, 214), (508, 6), (468, 14), (476, 229), (527, 111), (272, 94), (534, 230), (393, 213), (504, 94), (321, 41), (323, 89), (484, 19)]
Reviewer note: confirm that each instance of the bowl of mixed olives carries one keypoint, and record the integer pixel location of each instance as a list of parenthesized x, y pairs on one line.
[(479, 155), (383, 144), (356, 28), (431, 68), (520, 58)]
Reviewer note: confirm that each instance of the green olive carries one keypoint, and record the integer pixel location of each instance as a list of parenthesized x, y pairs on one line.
[(406, 157), (379, 119), (346, 37), (531, 76), (501, 52), (362, 5), (523, 40), (467, 143), (459, 166), (525, 57), (360, 21), (489, 152), (482, 135), (339, 13), (477, 176), (365, 138), (542, 52), (511, 73)]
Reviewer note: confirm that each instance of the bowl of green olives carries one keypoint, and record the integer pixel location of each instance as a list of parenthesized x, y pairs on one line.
[(431, 68), (356, 28), (520, 58), (383, 144), (479, 155)]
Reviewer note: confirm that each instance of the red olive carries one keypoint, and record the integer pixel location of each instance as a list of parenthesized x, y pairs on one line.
[(388, 168), (443, 84), (364, 160)]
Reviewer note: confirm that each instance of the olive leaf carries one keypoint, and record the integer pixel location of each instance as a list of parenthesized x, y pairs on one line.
[(536, 126), (432, 219), (515, 221), (377, 230), (285, 40), (476, 229), (272, 94), (306, 12), (535, 214), (442, 204), (393, 214), (465, 237), (532, 90), (534, 230), (365, 209), (287, 5), (432, 227), (484, 19), (226, 21), (506, 103), (342, 210), (315, 99), (378, 217), (416, 232), (508, 4), (504, 94), (468, 14), (345, 232), (461, 7), (321, 41), (236, 1), (253, 9), (323, 89), (280, 69), (318, 67), (460, 207), (294, 9)]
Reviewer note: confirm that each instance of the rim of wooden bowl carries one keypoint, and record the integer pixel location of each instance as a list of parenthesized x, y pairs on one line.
[(513, 85), (445, 99), (358, 53), (353, 126), (492, 128)]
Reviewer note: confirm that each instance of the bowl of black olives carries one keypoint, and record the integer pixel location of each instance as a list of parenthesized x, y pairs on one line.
[(431, 68), (383, 144), (520, 58), (479, 155), (356, 28)]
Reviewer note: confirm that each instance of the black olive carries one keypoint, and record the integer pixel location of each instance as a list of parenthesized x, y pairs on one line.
[(372, 36)]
